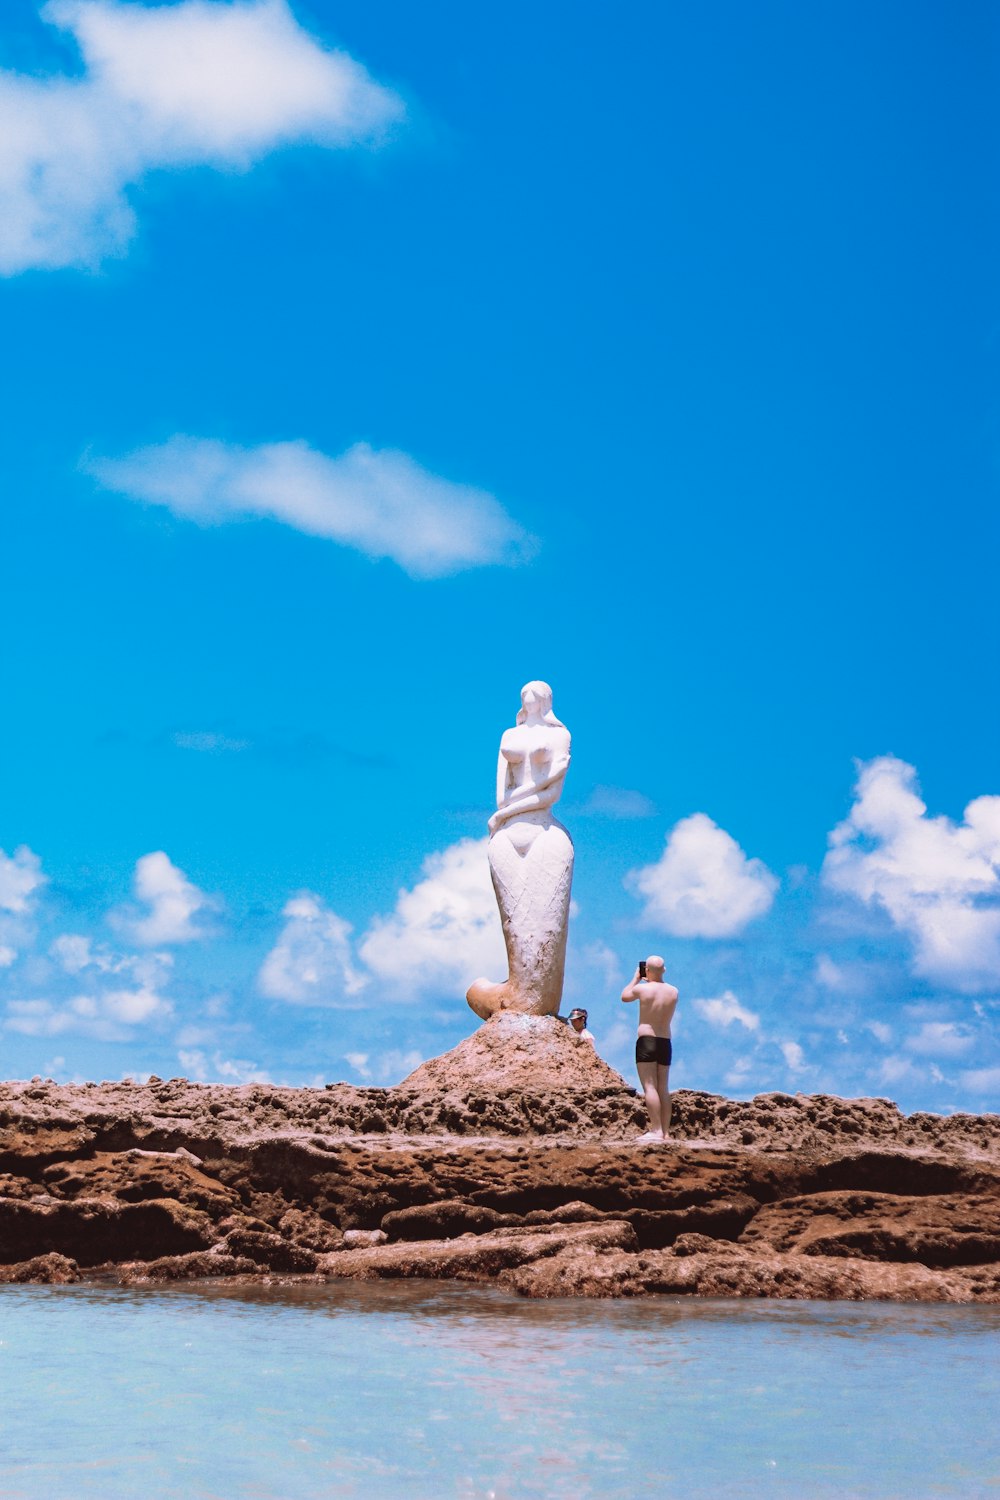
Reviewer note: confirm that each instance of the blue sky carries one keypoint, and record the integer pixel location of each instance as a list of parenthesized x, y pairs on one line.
[(363, 361)]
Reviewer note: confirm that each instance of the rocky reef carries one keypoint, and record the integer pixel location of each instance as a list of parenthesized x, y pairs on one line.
[(511, 1161)]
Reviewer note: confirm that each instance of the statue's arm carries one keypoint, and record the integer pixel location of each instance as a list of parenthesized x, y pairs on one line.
[(535, 802), (556, 776), (531, 798), (501, 778), (558, 766)]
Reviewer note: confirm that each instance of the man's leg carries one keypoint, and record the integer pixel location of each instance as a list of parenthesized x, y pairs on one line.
[(647, 1078), (663, 1095)]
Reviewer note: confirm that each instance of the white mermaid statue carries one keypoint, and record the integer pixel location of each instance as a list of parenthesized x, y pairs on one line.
[(531, 862)]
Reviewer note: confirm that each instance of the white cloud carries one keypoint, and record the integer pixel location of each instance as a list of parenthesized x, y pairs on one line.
[(173, 904), (20, 877), (848, 976), (740, 1073), (117, 992), (725, 1009), (378, 501), (108, 1016), (207, 742), (703, 885), (311, 963), (33, 1017), (880, 1031), (598, 958), (939, 882), (196, 83), (829, 974), (896, 1069), (73, 952), (617, 802), (76, 954), (392, 1067), (794, 1056), (7, 956), (446, 930), (387, 1067), (615, 1040), (983, 1081), (218, 1069), (131, 1006), (940, 1039)]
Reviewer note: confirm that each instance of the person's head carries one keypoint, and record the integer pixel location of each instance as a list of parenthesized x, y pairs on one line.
[(578, 1019), (536, 705), (654, 967)]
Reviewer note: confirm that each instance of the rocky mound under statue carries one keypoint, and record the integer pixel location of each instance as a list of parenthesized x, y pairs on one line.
[(531, 862)]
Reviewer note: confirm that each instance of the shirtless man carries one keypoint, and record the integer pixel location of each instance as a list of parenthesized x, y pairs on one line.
[(653, 1048)]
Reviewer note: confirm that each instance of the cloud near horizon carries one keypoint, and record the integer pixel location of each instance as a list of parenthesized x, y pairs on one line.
[(115, 992), (176, 910), (312, 963), (380, 502), (446, 929), (703, 885), (20, 878), (107, 1017), (386, 1068), (941, 1039), (724, 1009), (937, 881), (201, 1068), (443, 933), (199, 83)]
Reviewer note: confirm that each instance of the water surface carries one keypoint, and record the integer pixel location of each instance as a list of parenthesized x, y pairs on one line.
[(424, 1390)]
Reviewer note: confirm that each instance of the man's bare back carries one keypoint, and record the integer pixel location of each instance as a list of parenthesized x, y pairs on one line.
[(657, 1003), (653, 1048)]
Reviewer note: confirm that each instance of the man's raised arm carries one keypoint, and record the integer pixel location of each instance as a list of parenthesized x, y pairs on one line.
[(631, 990)]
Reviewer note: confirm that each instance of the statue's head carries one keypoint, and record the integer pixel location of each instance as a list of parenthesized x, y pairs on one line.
[(536, 702)]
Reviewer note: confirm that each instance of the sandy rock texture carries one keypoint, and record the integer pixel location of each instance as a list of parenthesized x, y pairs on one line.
[(532, 1187)]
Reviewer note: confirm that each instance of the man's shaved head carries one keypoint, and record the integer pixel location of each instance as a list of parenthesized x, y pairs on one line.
[(654, 964)]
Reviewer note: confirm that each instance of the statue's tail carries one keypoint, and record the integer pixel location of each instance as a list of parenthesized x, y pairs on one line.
[(485, 998), (488, 999)]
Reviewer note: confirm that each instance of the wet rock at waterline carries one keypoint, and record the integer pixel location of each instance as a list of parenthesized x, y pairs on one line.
[(505, 1164)]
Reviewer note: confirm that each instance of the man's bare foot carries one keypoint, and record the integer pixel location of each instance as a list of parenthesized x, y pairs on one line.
[(649, 1137)]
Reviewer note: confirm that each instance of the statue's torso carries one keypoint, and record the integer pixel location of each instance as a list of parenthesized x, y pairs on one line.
[(530, 751)]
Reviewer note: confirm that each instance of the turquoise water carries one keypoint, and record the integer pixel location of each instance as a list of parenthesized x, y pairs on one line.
[(421, 1390)]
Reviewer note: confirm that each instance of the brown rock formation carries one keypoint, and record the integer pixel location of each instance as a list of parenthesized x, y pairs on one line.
[(509, 1160), (510, 1051)]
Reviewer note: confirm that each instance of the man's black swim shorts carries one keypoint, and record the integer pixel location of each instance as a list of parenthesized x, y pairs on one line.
[(656, 1049)]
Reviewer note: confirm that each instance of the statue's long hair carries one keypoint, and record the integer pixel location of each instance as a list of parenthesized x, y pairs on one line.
[(541, 690)]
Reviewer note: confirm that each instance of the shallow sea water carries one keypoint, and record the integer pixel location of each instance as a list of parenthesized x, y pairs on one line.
[(423, 1390)]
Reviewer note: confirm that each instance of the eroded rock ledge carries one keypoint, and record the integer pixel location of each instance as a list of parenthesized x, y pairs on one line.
[(541, 1192)]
